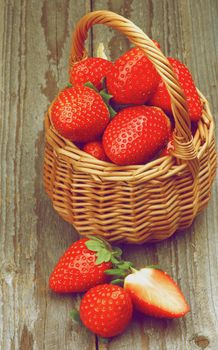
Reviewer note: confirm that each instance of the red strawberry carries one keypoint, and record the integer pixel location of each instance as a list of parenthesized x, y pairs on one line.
[(168, 148), (79, 114), (161, 97), (133, 78), (135, 135), (91, 69), (81, 268), (106, 310), (96, 149), (154, 293)]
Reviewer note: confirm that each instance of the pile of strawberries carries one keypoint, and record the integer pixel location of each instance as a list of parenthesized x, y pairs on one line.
[(121, 112), (113, 288)]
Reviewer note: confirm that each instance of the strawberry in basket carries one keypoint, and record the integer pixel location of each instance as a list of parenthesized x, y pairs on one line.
[(135, 135), (96, 149), (133, 78), (161, 97), (92, 69), (79, 114)]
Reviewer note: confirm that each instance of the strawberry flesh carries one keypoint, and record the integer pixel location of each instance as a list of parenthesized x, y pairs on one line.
[(154, 293)]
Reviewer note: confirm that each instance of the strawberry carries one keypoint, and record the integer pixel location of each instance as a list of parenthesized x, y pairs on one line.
[(82, 266), (106, 310), (161, 97), (154, 293), (79, 114), (135, 135), (170, 146), (133, 78), (96, 149), (92, 69)]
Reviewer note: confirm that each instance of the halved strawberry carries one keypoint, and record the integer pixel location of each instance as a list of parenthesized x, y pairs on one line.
[(155, 293)]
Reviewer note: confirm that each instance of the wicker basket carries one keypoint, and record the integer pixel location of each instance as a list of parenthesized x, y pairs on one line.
[(137, 203)]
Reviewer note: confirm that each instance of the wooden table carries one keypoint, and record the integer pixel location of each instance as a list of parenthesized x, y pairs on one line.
[(35, 44)]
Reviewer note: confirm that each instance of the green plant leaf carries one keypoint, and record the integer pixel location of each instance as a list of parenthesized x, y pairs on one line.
[(125, 265), (93, 245), (69, 85), (117, 251), (117, 281), (114, 260), (106, 98), (91, 86), (74, 314), (105, 95), (111, 111), (115, 272), (103, 255)]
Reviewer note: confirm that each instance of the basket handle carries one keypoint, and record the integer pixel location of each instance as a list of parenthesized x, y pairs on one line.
[(183, 140)]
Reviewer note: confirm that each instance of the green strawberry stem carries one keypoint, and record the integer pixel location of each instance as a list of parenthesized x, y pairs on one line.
[(69, 85), (105, 96), (91, 86)]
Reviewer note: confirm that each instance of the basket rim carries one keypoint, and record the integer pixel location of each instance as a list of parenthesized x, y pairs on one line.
[(162, 167)]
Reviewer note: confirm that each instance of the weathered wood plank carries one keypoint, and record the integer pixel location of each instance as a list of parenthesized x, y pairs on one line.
[(34, 47), (35, 39), (187, 32)]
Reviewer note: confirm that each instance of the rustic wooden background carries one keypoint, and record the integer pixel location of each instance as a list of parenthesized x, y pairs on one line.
[(34, 47)]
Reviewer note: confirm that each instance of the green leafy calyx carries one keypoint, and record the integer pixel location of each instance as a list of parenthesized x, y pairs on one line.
[(105, 96), (105, 253)]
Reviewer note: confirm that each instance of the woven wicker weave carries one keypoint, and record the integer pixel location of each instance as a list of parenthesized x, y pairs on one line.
[(137, 203)]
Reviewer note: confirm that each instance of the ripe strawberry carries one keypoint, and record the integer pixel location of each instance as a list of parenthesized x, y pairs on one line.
[(133, 78), (79, 114), (92, 69), (106, 310), (135, 135), (154, 293), (170, 146), (161, 97), (81, 268), (96, 149)]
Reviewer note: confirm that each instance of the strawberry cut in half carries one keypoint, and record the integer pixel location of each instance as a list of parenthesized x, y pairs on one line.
[(154, 293)]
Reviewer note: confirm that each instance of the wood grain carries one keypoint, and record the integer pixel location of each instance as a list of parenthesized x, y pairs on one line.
[(34, 48)]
